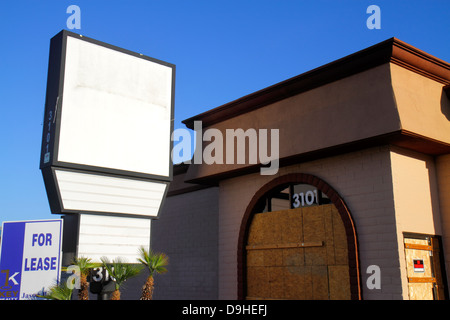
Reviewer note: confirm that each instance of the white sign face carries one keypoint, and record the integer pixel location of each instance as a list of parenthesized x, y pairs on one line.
[(112, 237), (106, 145), (30, 258), (116, 110), (82, 192)]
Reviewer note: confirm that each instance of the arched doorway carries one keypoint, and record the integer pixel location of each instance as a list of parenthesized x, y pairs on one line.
[(298, 241)]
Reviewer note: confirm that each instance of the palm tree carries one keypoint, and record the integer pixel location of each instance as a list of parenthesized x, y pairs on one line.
[(155, 262), (120, 272), (85, 265), (59, 291)]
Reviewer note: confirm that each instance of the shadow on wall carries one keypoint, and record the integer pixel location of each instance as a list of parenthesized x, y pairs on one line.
[(445, 102)]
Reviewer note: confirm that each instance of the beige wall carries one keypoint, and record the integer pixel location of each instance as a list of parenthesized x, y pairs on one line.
[(357, 107), (415, 197), (422, 105), (415, 192), (364, 181)]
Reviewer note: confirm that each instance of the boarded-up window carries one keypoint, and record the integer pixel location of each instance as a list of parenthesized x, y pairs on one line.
[(299, 253)]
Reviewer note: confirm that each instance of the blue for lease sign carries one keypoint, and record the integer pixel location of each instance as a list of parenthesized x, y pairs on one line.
[(30, 258)]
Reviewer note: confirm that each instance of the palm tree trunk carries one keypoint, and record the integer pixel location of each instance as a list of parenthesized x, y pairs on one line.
[(147, 289), (83, 293), (115, 295)]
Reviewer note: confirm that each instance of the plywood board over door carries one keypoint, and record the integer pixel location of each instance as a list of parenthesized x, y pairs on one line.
[(298, 254), (423, 265)]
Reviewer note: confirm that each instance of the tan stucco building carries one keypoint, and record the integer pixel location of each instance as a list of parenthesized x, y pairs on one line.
[(359, 207)]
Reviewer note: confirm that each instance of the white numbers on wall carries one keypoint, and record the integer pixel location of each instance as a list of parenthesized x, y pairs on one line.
[(99, 274), (305, 198)]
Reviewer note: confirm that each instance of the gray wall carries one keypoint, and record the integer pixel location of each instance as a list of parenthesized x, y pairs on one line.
[(187, 231)]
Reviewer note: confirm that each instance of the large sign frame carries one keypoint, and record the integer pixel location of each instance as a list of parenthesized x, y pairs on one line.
[(108, 117)]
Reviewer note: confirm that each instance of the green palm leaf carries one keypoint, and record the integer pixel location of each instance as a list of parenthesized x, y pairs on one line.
[(58, 291), (155, 262), (120, 271)]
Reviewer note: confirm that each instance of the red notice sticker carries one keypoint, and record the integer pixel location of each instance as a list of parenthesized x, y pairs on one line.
[(418, 265)]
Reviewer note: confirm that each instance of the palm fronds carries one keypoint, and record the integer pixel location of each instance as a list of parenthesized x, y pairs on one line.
[(120, 271), (155, 262), (59, 291), (85, 265)]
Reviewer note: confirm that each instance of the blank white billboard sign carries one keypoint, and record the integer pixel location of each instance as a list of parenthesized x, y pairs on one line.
[(116, 110), (108, 121)]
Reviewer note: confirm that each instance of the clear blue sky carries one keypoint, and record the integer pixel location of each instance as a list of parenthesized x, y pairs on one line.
[(222, 49)]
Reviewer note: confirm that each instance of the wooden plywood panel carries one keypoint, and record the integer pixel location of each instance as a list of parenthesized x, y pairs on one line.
[(417, 241), (313, 224), (293, 257), (273, 257), (276, 281), (272, 228), (298, 282), (292, 226), (319, 276), (316, 256), (289, 254), (329, 234), (340, 238), (255, 235), (314, 230), (338, 278), (414, 255), (255, 258), (421, 291), (423, 269), (257, 282)]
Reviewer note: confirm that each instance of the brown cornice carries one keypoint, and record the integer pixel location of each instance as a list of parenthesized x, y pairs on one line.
[(420, 62), (392, 50), (402, 138)]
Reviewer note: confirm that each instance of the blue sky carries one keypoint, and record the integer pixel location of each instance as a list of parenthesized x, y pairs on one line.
[(223, 50)]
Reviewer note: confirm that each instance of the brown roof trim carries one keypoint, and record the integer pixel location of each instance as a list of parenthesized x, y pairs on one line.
[(190, 189), (402, 138), (175, 189), (392, 50), (420, 62)]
